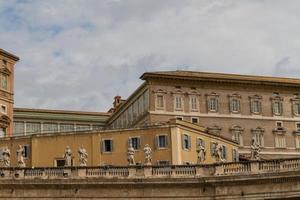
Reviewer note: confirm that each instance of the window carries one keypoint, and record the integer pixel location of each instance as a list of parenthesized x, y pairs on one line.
[(297, 126), (258, 135), (279, 125), (224, 152), (178, 103), (4, 81), (179, 118), (161, 141), (213, 104), (135, 142), (3, 109), (256, 106), (26, 152), (33, 127), (50, 127), (280, 141), (235, 106), (235, 155), (19, 128), (194, 103), (186, 142), (107, 145), (159, 101), (66, 127), (277, 108), (213, 147), (83, 127), (195, 120), (296, 108), (60, 162)]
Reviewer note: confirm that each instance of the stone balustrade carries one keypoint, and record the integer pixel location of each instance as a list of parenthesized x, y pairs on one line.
[(176, 171)]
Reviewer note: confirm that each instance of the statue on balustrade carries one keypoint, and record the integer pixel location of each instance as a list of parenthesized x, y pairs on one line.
[(6, 157), (82, 156), (255, 150), (219, 153), (201, 153), (20, 156), (148, 154), (68, 157), (130, 155)]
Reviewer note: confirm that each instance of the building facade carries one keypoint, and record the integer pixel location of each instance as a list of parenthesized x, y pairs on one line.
[(7, 63), (237, 107), (174, 143)]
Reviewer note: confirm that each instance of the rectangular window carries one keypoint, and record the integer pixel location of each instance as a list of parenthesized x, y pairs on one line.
[(255, 106), (213, 104), (194, 103), (66, 127), (235, 105), (178, 103), (160, 101), (296, 108), (235, 155), (259, 138), (107, 145), (195, 120), (161, 141), (163, 162), (19, 128), (26, 151), (186, 141), (213, 146), (224, 152), (50, 127), (237, 136), (33, 127), (277, 108), (298, 126), (60, 162), (280, 141), (135, 142), (279, 125), (83, 127)]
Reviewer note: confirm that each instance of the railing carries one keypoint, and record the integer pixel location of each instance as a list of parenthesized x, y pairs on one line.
[(170, 171)]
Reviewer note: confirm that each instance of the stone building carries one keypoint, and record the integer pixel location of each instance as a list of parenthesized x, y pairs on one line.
[(238, 107), (7, 63), (176, 142)]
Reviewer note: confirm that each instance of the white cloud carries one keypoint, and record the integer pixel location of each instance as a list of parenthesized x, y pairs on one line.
[(79, 54)]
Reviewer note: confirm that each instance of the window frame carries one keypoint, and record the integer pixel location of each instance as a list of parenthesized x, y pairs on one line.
[(103, 145), (157, 141), (139, 143)]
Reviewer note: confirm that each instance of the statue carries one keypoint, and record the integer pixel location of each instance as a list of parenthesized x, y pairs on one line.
[(6, 157), (255, 150), (201, 153), (148, 154), (68, 157), (82, 156), (130, 155), (219, 153), (20, 156)]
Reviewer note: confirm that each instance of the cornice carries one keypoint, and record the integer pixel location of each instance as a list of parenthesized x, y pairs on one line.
[(9, 55)]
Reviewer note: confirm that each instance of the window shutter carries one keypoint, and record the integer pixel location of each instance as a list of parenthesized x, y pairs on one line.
[(231, 105), (273, 107), (167, 141), (251, 106), (189, 142), (139, 143), (208, 104), (238, 105), (281, 108), (128, 142), (233, 155), (294, 108), (224, 152), (217, 104), (112, 145), (182, 141), (259, 107), (102, 146), (212, 148), (28, 151), (156, 141)]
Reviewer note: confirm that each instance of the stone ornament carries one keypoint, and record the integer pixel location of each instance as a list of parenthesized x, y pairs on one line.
[(20, 156), (6, 157), (68, 157), (148, 154), (219, 153), (130, 155), (82, 156), (200, 154), (255, 150)]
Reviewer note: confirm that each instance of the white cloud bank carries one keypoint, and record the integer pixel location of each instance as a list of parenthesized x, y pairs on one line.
[(78, 54)]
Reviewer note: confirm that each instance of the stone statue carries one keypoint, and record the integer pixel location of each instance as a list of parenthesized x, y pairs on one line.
[(6, 157), (20, 156), (148, 154), (68, 157), (82, 156), (130, 155), (255, 150), (201, 153), (219, 153)]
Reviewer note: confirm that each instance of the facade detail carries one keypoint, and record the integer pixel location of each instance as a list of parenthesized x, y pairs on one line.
[(212, 102)]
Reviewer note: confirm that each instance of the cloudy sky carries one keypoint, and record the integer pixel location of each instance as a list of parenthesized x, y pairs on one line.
[(79, 54)]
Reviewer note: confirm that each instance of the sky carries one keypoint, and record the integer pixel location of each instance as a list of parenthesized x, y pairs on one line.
[(79, 54)]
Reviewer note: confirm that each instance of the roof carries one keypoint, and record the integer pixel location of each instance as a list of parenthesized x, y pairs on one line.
[(222, 77), (60, 115), (10, 55)]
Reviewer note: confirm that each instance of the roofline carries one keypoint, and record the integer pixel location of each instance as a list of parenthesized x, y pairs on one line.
[(60, 111), (224, 77), (9, 55)]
